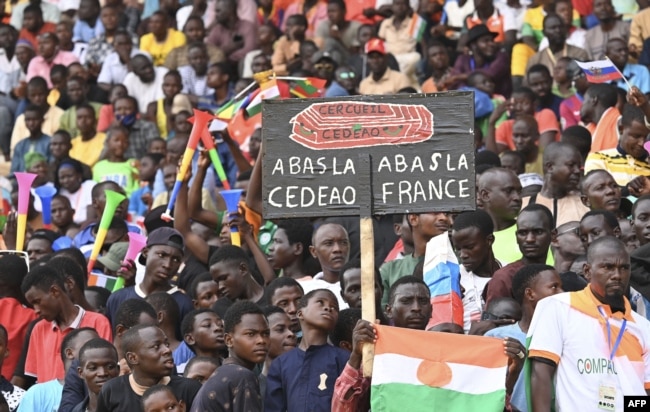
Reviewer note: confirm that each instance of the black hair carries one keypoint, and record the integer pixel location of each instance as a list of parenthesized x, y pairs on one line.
[(103, 293), (223, 67), (99, 188), (96, 343), (298, 19), (38, 81), (79, 80), (236, 311), (298, 231), (194, 18), (229, 253), (638, 201), (68, 161), (176, 73), (479, 219), (345, 324), (537, 208), (605, 93), (59, 69), (538, 68), (578, 137), (524, 278), (632, 113), (34, 9), (304, 301), (128, 97), (63, 133), (526, 92), (278, 283), (154, 390), (193, 45), (270, 310), (33, 108), (201, 278), (404, 280), (407, 90), (339, 3), (87, 106), (69, 268), (198, 359), (161, 14), (13, 270), (471, 79), (74, 254), (43, 278), (356, 264), (131, 339), (164, 302), (604, 241), (551, 16), (609, 217), (129, 311), (72, 335), (187, 325), (592, 173), (110, 132), (515, 154)]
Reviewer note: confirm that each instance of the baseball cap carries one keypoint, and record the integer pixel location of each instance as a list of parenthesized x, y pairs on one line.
[(46, 234), (112, 260), (375, 45), (166, 236)]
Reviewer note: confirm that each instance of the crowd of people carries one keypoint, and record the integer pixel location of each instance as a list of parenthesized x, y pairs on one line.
[(95, 95)]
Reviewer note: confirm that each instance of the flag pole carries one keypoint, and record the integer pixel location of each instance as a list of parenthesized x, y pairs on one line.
[(621, 73)]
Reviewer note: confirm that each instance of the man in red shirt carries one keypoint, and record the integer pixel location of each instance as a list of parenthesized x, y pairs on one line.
[(44, 289), (34, 26)]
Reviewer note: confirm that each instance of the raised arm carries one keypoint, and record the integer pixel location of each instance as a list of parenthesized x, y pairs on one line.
[(196, 211), (194, 242)]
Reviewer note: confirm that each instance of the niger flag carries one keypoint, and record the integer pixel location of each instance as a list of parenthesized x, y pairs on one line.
[(432, 371)]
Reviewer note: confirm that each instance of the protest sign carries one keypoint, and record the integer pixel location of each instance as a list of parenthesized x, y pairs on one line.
[(421, 150)]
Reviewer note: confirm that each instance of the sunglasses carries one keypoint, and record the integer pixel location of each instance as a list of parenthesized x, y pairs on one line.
[(347, 75), (324, 66), (574, 230)]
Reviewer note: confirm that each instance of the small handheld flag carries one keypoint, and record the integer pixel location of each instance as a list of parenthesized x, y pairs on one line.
[(600, 71)]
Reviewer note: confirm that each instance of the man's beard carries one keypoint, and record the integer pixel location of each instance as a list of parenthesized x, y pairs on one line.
[(615, 301)]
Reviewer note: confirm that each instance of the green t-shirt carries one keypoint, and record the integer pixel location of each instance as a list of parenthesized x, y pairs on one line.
[(124, 174), (506, 250), (395, 269)]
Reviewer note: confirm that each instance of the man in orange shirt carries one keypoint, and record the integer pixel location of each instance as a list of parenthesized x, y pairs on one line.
[(33, 25), (601, 116)]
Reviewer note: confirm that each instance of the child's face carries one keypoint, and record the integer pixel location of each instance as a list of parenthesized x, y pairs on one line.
[(86, 121), (288, 299), (484, 84), (522, 105), (100, 365), (206, 294), (116, 93), (158, 146), (265, 34), (215, 79), (438, 57), (118, 143), (62, 213), (207, 332), (559, 72), (163, 401), (294, 29), (33, 121), (76, 92), (59, 146), (169, 174), (41, 171), (181, 125), (147, 169), (171, 86), (513, 163), (37, 95), (58, 81), (321, 312), (249, 341), (282, 338)]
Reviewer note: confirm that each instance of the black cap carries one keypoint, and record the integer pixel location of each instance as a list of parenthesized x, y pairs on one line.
[(479, 31), (166, 236)]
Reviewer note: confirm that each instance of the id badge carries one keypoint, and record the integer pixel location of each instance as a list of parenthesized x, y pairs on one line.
[(607, 397)]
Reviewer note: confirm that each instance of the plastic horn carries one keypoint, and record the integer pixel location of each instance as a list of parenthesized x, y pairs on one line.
[(200, 121), (208, 142), (46, 193), (25, 181), (136, 243), (113, 199), (231, 197)]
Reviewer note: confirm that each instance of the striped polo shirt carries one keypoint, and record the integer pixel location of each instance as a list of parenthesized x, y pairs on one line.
[(619, 164)]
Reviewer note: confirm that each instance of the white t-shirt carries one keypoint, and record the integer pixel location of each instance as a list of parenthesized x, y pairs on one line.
[(570, 330), (145, 93), (473, 303), (317, 282), (80, 200)]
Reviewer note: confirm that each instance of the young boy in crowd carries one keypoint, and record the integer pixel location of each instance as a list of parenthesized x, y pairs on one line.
[(202, 331), (235, 383), (161, 398), (282, 339), (87, 147), (341, 336), (303, 379), (169, 175), (525, 135), (157, 145), (37, 141), (46, 396), (147, 353), (12, 394), (204, 291), (200, 368), (141, 199), (286, 293), (45, 289), (98, 363), (115, 166)]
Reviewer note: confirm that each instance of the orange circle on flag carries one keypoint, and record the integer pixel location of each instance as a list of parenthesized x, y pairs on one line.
[(434, 374)]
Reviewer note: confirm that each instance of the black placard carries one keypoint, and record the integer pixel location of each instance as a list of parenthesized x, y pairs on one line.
[(421, 153)]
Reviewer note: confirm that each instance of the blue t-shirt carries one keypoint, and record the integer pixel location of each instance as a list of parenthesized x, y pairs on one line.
[(42, 397), (518, 399)]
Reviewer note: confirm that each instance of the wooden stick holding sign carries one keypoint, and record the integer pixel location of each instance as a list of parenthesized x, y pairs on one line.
[(367, 256)]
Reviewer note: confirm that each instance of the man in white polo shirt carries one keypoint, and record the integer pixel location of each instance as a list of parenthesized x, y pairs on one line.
[(590, 344)]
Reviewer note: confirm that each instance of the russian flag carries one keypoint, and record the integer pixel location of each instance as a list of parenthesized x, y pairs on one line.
[(442, 276), (600, 71)]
